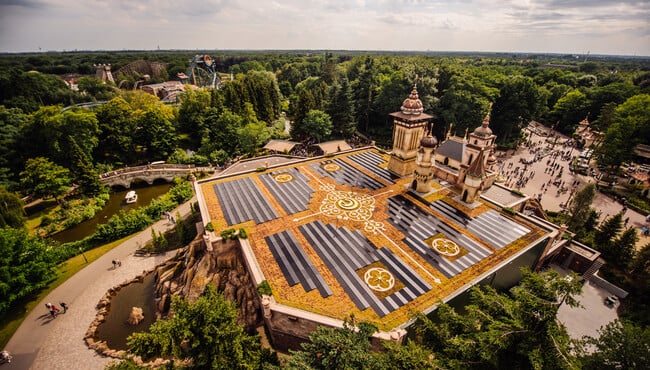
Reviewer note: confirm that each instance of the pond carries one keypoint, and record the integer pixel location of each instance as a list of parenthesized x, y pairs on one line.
[(115, 329), (115, 203)]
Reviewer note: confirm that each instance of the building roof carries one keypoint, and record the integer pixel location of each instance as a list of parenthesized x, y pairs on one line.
[(453, 148), (477, 167), (280, 145), (334, 146), (484, 129), (340, 234), (642, 150), (503, 196), (412, 104), (429, 141)]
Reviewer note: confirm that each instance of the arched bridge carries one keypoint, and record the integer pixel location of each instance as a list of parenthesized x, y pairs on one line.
[(149, 173)]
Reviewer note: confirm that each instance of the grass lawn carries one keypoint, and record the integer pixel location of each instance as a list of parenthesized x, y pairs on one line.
[(10, 322)]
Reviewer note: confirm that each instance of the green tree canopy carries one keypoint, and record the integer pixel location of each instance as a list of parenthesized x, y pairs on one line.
[(205, 331), (580, 206), (26, 265), (317, 124), (11, 209), (43, 178), (501, 331), (620, 345), (330, 348)]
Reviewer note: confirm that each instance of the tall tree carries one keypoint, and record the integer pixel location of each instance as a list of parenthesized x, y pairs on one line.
[(26, 265), (43, 178), (156, 132), (622, 249), (48, 133), (11, 209), (364, 91), (205, 331), (317, 124), (518, 103), (329, 348), (620, 345), (580, 206), (607, 231), (501, 331), (569, 110), (340, 109), (117, 128), (11, 121), (83, 170)]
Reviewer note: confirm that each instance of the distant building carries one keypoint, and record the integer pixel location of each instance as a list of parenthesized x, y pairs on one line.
[(164, 90)]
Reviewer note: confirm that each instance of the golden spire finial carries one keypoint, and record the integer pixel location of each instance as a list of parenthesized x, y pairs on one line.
[(449, 130)]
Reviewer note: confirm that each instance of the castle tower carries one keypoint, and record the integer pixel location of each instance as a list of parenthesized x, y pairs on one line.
[(409, 125), (481, 139), (474, 179), (103, 72), (423, 171)]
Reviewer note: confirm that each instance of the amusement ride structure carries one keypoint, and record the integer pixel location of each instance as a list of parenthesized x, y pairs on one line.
[(202, 72)]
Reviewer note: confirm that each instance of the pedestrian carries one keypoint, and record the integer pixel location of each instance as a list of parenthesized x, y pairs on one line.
[(118, 263), (48, 305), (627, 219), (64, 306), (114, 264)]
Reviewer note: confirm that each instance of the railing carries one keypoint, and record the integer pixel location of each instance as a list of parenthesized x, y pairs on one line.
[(154, 168)]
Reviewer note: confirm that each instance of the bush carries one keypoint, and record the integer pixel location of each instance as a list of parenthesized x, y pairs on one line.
[(46, 220), (209, 227), (264, 288)]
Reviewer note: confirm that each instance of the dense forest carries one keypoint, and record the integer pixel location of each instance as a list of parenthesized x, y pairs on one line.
[(47, 144)]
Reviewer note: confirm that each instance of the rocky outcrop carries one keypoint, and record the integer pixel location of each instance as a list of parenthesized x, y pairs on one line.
[(136, 316), (188, 274)]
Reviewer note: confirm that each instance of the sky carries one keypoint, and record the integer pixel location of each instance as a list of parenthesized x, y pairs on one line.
[(536, 26)]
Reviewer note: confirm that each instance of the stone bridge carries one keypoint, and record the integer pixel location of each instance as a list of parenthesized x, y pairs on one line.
[(126, 176)]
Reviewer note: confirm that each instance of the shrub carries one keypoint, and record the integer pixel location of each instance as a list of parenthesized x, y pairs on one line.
[(46, 220), (242, 234), (209, 227), (509, 211), (264, 288)]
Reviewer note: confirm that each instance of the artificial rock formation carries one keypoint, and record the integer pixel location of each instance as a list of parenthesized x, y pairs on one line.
[(188, 274), (136, 316)]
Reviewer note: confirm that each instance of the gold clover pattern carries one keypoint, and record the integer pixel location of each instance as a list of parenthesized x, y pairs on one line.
[(379, 279), (445, 247)]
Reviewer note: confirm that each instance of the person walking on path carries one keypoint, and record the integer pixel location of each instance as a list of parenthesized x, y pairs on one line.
[(64, 306)]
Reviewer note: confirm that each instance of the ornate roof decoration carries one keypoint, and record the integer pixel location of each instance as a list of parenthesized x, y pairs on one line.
[(477, 167), (413, 104), (429, 141)]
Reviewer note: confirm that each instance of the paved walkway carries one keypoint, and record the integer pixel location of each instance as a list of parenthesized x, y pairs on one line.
[(45, 343), (551, 199)]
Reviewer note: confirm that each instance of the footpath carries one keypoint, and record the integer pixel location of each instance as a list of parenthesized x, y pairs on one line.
[(42, 342)]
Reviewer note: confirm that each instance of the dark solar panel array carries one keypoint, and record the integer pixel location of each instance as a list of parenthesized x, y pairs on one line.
[(241, 200), (348, 175), (490, 226), (293, 196), (419, 226), (371, 161), (295, 264), (345, 251)]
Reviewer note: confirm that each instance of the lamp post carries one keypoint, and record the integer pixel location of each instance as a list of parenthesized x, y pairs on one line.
[(82, 254)]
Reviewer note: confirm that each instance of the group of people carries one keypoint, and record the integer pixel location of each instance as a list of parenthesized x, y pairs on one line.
[(55, 310), (116, 263)]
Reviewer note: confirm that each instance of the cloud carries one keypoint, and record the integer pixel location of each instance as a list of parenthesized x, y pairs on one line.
[(499, 25), (22, 3)]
